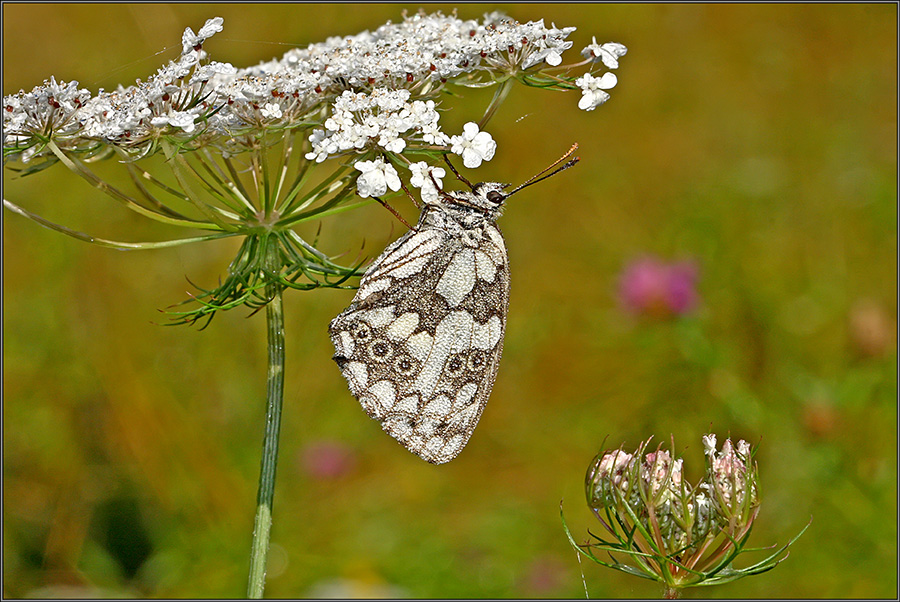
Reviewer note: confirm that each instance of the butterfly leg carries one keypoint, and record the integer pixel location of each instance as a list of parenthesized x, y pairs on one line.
[(456, 173), (394, 211), (409, 194)]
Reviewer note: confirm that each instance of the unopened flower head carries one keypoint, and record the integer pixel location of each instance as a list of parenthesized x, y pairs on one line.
[(681, 534), (732, 481), (642, 481), (660, 473), (608, 478)]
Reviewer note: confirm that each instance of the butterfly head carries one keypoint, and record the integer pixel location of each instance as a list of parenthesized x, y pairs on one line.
[(490, 194), (485, 200)]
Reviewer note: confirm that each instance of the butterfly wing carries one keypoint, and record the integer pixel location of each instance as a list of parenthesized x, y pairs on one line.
[(421, 342)]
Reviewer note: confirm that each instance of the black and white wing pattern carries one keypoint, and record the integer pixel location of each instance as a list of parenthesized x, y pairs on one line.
[(420, 344)]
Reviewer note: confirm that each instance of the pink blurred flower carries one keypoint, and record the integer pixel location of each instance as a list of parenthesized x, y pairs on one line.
[(327, 459), (652, 287)]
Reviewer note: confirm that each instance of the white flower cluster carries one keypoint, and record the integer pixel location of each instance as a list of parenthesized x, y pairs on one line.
[(473, 146), (369, 94), (377, 176), (425, 177), (593, 89), (381, 117), (608, 53), (52, 107), (433, 47), (191, 41), (129, 118)]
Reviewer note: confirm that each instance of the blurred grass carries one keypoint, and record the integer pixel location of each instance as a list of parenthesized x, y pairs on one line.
[(759, 140)]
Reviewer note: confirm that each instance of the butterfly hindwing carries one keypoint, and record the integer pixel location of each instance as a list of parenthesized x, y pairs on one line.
[(421, 342)]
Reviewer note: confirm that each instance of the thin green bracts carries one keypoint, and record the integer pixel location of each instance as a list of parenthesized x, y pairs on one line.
[(79, 168), (112, 244)]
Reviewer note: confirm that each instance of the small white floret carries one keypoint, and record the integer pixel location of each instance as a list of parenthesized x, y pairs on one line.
[(377, 176), (592, 90), (473, 146)]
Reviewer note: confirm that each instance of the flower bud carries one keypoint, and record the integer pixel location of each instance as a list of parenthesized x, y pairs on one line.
[(679, 534), (607, 478)]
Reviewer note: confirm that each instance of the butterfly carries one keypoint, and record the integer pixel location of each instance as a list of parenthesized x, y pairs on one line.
[(420, 343)]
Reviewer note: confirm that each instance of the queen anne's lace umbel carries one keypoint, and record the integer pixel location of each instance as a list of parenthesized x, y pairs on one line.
[(377, 92), (257, 151)]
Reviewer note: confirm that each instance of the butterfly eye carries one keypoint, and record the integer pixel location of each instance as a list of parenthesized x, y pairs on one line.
[(495, 197)]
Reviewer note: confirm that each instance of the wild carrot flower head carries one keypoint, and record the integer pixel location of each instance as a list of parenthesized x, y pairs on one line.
[(243, 142)]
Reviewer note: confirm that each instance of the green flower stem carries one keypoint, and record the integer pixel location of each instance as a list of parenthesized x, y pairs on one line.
[(80, 169), (136, 174), (275, 394), (499, 96), (180, 168), (234, 182), (287, 150), (112, 244)]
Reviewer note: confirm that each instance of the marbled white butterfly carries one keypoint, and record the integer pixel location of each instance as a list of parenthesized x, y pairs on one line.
[(420, 343)]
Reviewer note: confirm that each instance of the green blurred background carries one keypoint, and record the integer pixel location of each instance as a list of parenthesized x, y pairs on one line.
[(759, 141)]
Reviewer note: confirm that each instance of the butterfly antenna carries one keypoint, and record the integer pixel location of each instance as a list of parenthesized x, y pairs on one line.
[(540, 175)]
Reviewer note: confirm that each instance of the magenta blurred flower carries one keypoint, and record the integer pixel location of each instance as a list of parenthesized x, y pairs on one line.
[(327, 459), (653, 287)]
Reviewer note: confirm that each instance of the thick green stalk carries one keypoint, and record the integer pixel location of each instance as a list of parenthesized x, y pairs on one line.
[(263, 522)]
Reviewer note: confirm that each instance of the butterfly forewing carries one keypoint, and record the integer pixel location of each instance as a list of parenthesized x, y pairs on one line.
[(420, 344)]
